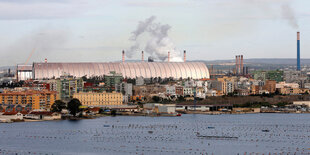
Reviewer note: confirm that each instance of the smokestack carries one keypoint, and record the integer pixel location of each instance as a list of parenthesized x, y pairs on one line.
[(242, 64), (142, 56), (236, 64), (298, 51), (123, 56), (45, 60), (239, 64), (184, 55), (168, 56)]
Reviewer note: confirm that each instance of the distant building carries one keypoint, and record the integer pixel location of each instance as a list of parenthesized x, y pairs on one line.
[(295, 77), (290, 91), (37, 85), (125, 89), (270, 86), (42, 99), (24, 72), (214, 85), (68, 85), (170, 90), (302, 103), (112, 79), (228, 84), (147, 91), (287, 85), (188, 91), (275, 75), (255, 89), (99, 99), (268, 75), (307, 85), (159, 108), (260, 75), (176, 70), (179, 90), (139, 81)]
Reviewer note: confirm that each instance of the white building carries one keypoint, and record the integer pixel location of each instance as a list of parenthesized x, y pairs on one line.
[(188, 91), (170, 90), (302, 103), (159, 108), (287, 85)]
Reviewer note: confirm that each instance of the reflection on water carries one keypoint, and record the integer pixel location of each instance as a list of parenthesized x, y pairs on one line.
[(256, 134)]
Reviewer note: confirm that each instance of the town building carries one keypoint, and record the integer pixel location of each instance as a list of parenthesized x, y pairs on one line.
[(170, 90), (42, 99), (67, 85), (126, 89), (270, 86), (295, 77), (275, 75), (112, 79), (94, 99)]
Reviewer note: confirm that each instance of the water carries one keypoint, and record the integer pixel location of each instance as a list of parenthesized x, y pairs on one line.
[(284, 134)]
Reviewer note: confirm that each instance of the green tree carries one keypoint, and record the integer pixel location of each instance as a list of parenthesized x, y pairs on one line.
[(113, 112), (58, 106), (73, 106), (156, 99)]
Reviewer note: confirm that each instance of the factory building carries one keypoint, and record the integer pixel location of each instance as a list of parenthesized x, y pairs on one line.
[(176, 70), (149, 69), (24, 72)]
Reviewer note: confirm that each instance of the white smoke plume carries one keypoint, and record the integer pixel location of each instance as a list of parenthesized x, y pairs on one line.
[(157, 43)]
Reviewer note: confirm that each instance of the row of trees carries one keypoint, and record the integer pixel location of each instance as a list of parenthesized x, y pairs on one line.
[(73, 106)]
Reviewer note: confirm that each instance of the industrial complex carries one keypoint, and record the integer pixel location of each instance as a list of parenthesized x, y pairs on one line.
[(175, 70)]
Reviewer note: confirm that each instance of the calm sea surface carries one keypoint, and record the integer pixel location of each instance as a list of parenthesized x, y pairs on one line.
[(255, 133)]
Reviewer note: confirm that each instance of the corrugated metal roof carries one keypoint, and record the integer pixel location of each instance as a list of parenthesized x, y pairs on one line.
[(195, 70), (24, 67)]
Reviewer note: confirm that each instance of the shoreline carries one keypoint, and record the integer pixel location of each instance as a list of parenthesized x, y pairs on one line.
[(158, 115)]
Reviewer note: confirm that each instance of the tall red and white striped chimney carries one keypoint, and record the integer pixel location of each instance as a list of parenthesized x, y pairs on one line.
[(236, 64), (168, 56), (123, 56), (241, 64), (142, 56), (184, 59)]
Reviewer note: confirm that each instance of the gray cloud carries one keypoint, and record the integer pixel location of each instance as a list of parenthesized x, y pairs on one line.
[(45, 9), (156, 4)]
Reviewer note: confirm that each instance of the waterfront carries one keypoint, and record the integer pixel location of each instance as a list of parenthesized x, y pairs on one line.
[(257, 133)]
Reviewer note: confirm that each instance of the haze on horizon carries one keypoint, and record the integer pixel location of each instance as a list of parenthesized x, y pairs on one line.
[(98, 30)]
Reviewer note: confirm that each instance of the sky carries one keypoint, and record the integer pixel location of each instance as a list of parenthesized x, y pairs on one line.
[(98, 30)]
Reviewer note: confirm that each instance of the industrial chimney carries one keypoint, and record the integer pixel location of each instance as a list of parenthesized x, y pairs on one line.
[(241, 65), (298, 51), (123, 56), (184, 55), (142, 56), (168, 56), (236, 64)]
